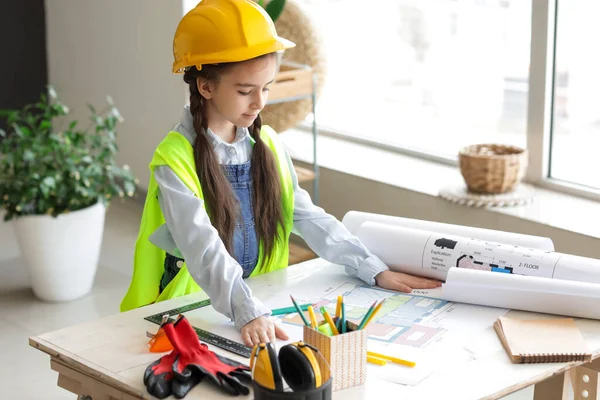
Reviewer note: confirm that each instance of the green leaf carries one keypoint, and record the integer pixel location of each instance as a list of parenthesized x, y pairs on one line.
[(28, 155), (45, 191), (45, 125), (52, 92), (48, 183), (129, 188), (261, 3), (8, 113), (18, 130), (275, 8)]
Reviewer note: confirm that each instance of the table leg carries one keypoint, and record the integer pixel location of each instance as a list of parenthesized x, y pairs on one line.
[(85, 386), (585, 381), (553, 388)]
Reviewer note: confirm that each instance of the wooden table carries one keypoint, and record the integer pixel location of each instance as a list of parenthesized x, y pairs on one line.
[(105, 359)]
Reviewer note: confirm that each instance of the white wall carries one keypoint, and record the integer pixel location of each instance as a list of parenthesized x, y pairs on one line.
[(122, 49)]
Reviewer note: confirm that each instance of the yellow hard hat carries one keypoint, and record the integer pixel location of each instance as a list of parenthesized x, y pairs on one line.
[(218, 31)]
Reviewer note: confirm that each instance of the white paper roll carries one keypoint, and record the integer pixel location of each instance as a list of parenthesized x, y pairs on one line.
[(401, 249), (433, 254), (354, 219), (545, 295), (577, 268)]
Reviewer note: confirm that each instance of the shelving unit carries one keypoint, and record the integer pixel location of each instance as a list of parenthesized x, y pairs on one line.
[(298, 82)]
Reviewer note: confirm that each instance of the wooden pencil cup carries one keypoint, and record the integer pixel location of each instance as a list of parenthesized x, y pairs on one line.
[(345, 353)]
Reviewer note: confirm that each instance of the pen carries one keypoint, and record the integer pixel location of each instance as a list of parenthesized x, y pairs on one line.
[(367, 315), (375, 311), (338, 308), (300, 311), (313, 320), (329, 321), (392, 359), (375, 360)]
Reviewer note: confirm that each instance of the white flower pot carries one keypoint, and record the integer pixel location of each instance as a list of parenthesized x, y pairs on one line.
[(62, 253)]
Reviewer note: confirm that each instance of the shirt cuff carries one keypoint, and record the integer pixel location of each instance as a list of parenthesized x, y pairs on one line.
[(369, 268), (248, 311)]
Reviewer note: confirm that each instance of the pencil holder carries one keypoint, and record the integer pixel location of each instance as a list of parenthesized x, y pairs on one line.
[(345, 353)]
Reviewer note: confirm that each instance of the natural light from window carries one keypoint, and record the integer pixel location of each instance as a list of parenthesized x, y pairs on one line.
[(428, 75), (576, 123)]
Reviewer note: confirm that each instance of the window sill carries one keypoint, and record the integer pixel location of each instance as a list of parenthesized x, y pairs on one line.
[(552, 208)]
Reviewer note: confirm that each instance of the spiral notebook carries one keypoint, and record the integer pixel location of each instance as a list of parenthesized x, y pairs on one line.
[(542, 341)]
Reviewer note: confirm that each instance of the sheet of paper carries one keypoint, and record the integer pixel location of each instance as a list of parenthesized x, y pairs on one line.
[(545, 295), (354, 219), (419, 327)]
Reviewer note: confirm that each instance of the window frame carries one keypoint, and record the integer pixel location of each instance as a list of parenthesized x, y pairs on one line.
[(544, 18)]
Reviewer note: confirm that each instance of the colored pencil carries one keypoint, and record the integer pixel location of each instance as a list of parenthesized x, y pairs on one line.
[(338, 308), (288, 310), (375, 311), (299, 310), (313, 319), (392, 359), (329, 321), (367, 315)]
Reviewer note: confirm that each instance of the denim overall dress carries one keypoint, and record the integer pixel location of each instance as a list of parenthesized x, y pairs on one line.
[(245, 244)]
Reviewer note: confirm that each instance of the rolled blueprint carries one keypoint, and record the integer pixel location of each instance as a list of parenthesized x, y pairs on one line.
[(354, 219), (552, 296), (433, 254)]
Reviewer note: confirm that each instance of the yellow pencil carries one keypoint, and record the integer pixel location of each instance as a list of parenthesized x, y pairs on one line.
[(313, 320), (329, 321), (338, 308), (375, 360), (373, 313), (392, 359)]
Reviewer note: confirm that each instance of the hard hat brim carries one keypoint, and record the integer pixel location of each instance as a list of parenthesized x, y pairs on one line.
[(233, 55)]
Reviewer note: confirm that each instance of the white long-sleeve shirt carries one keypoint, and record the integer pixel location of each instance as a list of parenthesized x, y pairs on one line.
[(189, 234)]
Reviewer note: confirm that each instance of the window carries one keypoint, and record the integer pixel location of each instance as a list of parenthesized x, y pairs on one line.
[(431, 76), (575, 137), (428, 77)]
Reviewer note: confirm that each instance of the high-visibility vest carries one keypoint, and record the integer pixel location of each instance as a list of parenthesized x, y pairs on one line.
[(148, 263)]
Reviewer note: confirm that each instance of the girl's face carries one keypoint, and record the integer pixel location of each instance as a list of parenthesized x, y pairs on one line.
[(239, 94)]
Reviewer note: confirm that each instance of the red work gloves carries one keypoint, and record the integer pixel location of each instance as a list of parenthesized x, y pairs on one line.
[(189, 363), (158, 376)]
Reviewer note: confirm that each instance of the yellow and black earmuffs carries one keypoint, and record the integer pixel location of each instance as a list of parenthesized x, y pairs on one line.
[(296, 364)]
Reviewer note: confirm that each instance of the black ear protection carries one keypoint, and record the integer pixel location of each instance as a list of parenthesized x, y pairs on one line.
[(296, 364)]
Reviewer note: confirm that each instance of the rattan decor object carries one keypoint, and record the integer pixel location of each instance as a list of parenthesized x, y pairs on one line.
[(492, 168), (294, 24)]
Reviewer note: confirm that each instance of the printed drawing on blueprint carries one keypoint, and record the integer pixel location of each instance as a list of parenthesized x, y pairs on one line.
[(403, 319)]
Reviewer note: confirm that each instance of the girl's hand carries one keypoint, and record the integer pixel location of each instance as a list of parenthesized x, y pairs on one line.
[(403, 282), (261, 330)]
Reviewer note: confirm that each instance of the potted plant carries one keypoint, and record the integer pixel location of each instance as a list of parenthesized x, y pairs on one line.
[(56, 181)]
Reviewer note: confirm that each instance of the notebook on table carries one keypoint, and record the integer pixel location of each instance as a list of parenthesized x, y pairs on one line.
[(542, 341)]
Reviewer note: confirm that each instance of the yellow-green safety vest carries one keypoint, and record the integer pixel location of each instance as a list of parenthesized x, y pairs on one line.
[(148, 263)]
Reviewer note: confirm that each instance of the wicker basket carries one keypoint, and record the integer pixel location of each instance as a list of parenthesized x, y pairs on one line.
[(492, 168)]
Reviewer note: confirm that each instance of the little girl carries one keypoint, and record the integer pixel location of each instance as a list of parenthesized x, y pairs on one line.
[(223, 196)]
